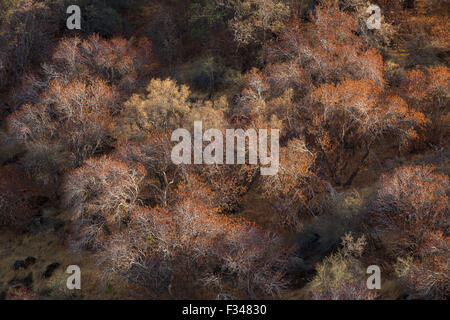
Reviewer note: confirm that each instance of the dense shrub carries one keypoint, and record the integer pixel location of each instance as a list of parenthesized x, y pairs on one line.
[(162, 107), (296, 193), (188, 250), (77, 115), (411, 214), (341, 275), (119, 61), (411, 202), (27, 31), (428, 91), (101, 195)]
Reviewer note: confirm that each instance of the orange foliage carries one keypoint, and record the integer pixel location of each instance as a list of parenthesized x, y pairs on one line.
[(328, 48), (428, 92), (296, 192), (348, 118), (326, 87)]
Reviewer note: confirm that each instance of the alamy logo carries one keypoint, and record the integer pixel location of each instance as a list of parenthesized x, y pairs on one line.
[(74, 281), (74, 21), (235, 150), (374, 21), (374, 281)]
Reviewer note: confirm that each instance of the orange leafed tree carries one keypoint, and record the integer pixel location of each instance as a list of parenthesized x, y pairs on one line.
[(349, 117), (328, 50), (428, 91), (325, 86)]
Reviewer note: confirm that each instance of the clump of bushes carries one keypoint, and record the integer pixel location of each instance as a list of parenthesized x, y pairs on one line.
[(341, 275), (411, 214)]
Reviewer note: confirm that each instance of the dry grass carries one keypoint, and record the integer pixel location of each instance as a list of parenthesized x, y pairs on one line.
[(48, 247)]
